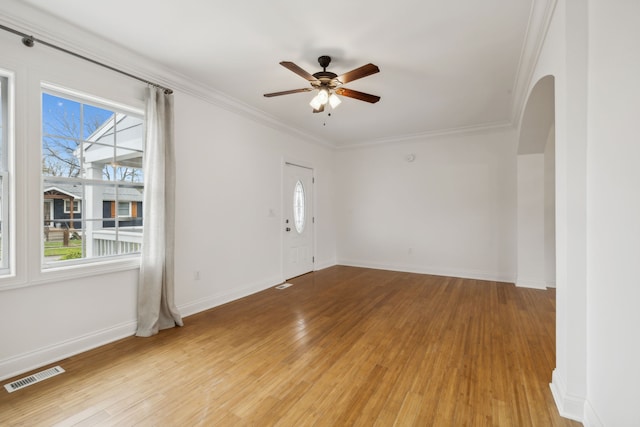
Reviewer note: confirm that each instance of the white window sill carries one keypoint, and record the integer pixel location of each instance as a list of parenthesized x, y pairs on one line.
[(52, 274)]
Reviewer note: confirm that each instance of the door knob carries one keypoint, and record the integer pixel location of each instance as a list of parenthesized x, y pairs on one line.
[(288, 229)]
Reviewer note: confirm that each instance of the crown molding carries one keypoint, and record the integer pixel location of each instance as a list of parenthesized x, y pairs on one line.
[(420, 137), (230, 104), (28, 19), (537, 28)]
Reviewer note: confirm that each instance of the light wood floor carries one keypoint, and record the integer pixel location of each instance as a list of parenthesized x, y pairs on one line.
[(343, 346)]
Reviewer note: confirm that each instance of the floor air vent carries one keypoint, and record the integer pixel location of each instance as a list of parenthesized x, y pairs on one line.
[(32, 379), (284, 286)]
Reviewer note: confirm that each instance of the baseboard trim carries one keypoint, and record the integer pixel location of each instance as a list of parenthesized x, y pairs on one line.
[(322, 265), (591, 419), (210, 302), (531, 283), (465, 274), (54, 353), (571, 407)]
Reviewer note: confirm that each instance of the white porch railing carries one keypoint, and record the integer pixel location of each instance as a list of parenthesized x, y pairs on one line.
[(111, 242)]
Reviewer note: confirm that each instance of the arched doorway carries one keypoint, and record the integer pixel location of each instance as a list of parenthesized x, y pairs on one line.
[(536, 266)]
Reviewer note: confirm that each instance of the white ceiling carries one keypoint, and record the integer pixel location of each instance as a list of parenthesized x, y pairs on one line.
[(443, 65)]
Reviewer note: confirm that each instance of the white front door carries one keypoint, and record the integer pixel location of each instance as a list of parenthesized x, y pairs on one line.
[(298, 220)]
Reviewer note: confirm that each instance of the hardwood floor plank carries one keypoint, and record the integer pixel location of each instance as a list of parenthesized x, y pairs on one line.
[(342, 346)]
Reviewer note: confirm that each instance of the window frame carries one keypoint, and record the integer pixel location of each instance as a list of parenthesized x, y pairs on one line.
[(85, 266), (7, 162)]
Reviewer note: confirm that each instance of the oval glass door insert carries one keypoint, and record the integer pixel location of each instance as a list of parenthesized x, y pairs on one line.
[(299, 207)]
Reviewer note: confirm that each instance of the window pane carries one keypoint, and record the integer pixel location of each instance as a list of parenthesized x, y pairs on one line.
[(94, 120), (63, 227), (3, 111), (60, 157), (129, 132), (2, 222), (129, 174), (117, 153), (60, 117), (3, 128), (93, 180), (123, 208)]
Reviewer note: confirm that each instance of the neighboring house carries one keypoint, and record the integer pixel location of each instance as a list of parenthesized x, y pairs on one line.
[(57, 209), (128, 208), (59, 199)]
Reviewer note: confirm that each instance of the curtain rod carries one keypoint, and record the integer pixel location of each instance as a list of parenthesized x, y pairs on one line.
[(29, 41)]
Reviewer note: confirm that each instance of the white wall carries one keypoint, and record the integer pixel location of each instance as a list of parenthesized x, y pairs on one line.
[(451, 211), (550, 209), (591, 49), (536, 188), (531, 232), (229, 180), (613, 213), (229, 169), (564, 56)]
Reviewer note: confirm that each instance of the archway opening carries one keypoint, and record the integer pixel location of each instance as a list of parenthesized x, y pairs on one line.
[(536, 266)]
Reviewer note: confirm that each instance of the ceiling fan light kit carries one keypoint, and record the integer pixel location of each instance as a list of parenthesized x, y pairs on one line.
[(334, 101), (320, 99), (329, 85)]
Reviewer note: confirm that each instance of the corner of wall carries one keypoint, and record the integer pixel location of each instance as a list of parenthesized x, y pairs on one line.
[(321, 265), (524, 282), (590, 417), (569, 406)]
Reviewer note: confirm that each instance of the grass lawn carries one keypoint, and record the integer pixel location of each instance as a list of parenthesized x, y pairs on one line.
[(74, 249)]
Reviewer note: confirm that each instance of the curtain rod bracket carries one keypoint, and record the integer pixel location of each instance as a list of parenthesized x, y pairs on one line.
[(28, 41)]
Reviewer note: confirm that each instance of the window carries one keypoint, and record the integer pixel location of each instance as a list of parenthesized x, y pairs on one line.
[(92, 154), (298, 207), (124, 209), (6, 132), (77, 206)]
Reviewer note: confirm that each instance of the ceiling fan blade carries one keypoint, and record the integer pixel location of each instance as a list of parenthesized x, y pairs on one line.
[(287, 92), (358, 73), (299, 71), (319, 110), (357, 95)]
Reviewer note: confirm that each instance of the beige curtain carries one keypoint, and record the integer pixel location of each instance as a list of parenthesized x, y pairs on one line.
[(156, 305)]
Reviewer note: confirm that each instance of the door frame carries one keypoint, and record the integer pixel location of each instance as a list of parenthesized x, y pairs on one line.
[(283, 205)]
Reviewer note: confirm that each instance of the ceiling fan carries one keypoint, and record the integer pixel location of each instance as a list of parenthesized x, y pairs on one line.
[(329, 84)]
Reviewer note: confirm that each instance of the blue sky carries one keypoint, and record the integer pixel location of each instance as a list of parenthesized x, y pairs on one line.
[(62, 128), (53, 106)]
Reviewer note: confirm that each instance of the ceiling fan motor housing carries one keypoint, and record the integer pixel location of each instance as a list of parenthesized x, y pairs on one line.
[(324, 61), (326, 78)]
